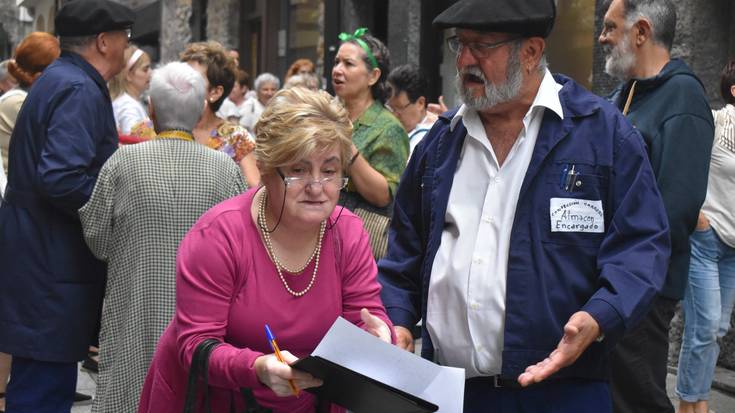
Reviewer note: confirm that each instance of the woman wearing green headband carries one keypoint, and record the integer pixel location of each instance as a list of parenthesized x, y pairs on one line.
[(380, 144)]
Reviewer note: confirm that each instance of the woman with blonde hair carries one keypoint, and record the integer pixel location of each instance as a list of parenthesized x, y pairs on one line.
[(126, 89), (275, 254), (213, 62), (32, 55)]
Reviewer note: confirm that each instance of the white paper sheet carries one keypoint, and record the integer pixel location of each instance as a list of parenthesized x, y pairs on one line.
[(351, 347)]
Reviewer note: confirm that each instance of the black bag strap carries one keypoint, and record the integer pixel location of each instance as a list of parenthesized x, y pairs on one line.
[(199, 372), (252, 403)]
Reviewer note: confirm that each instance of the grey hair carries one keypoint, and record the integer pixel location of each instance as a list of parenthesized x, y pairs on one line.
[(177, 95), (661, 14), (307, 80), (266, 78), (4, 69), (76, 43), (543, 64)]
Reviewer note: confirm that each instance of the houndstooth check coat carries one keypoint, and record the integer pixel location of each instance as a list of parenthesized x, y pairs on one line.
[(146, 198)]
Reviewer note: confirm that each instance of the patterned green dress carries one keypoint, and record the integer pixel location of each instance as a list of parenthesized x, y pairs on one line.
[(383, 142)]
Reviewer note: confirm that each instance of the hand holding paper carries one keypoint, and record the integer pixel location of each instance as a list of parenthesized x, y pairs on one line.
[(375, 326), (275, 374)]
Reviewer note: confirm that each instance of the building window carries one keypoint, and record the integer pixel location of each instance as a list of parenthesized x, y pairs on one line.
[(305, 32)]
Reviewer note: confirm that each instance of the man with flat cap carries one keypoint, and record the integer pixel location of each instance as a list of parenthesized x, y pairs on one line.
[(51, 286), (528, 232)]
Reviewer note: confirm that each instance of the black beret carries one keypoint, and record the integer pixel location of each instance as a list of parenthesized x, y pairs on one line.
[(528, 18), (88, 17)]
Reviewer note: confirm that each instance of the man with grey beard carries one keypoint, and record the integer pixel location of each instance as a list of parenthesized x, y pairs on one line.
[(667, 104), (528, 232)]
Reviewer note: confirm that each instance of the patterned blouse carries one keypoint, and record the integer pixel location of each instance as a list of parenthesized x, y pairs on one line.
[(383, 142), (232, 139)]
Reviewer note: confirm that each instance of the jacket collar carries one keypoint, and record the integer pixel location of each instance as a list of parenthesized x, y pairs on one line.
[(573, 101), (77, 60)]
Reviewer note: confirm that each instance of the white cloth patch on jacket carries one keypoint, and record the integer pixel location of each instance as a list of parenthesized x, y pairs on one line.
[(576, 215)]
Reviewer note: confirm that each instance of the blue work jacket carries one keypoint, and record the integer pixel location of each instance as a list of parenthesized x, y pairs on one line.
[(51, 286), (613, 275)]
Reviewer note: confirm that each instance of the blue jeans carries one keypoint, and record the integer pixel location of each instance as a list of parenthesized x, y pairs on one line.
[(708, 304)]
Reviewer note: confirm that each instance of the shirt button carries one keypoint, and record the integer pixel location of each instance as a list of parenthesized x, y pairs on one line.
[(477, 260), (497, 180), (488, 219), (475, 306)]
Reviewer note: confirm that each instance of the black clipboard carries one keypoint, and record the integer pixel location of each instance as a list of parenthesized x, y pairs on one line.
[(357, 392)]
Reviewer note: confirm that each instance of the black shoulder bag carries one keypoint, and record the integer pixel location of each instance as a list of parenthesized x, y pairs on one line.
[(199, 373)]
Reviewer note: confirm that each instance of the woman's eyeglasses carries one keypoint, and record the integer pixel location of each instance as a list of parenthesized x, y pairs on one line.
[(300, 182)]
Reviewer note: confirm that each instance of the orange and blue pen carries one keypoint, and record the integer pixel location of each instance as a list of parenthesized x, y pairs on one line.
[(274, 346)]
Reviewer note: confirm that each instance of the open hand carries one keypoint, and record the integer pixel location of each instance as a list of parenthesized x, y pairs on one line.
[(275, 374), (375, 325), (437, 108), (579, 332)]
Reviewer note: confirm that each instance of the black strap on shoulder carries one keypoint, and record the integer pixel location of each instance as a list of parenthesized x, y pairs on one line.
[(199, 373)]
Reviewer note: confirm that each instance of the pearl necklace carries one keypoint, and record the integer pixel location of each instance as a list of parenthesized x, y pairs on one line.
[(263, 224)]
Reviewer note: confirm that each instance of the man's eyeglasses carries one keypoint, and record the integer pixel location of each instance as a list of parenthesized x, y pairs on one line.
[(336, 182), (398, 109), (479, 50)]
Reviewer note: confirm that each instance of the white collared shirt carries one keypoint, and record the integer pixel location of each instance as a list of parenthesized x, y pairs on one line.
[(466, 302), (418, 133)]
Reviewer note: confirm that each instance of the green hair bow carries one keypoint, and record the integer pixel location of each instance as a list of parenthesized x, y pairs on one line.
[(357, 38)]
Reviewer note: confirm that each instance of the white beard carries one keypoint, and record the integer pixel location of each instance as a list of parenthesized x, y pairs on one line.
[(619, 60), (494, 94)]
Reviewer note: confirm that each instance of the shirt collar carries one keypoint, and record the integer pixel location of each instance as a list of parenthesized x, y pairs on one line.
[(369, 116), (546, 97)]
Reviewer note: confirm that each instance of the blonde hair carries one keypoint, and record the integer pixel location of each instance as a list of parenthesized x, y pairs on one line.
[(119, 84), (221, 67), (297, 123)]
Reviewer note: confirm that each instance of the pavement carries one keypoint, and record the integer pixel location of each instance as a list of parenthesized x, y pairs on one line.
[(722, 396)]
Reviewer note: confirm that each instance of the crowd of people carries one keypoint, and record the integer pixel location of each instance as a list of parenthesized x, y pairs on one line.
[(542, 236)]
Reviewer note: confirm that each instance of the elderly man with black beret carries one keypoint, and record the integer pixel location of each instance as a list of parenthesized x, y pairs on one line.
[(528, 231), (51, 286)]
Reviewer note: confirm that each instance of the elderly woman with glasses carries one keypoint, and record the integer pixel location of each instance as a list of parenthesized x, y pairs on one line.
[(380, 144), (281, 254), (146, 198)]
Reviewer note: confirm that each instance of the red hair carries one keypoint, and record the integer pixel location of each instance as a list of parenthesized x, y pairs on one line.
[(32, 55)]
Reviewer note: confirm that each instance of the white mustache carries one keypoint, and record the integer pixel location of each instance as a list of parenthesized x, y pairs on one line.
[(474, 71)]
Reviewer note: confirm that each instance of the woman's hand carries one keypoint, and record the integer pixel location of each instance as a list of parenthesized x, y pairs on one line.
[(276, 374), (375, 326), (702, 222)]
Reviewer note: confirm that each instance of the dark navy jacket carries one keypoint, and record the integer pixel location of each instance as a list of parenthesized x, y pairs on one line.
[(551, 275), (671, 112), (51, 285)]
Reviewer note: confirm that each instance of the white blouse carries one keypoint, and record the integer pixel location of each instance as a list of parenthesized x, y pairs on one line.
[(129, 112)]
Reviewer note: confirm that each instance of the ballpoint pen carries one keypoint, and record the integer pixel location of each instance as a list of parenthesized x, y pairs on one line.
[(274, 346)]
